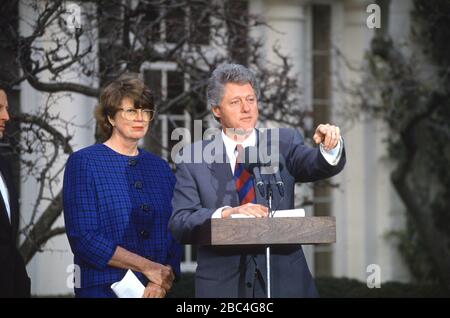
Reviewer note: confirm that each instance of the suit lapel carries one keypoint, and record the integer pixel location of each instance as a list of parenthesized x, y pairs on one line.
[(221, 174), (14, 208), (3, 215), (219, 167), (13, 225)]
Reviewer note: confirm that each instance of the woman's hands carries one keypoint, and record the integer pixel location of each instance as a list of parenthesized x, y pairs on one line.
[(159, 275), (154, 291)]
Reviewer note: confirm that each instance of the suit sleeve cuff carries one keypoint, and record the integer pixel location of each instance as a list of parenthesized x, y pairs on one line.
[(334, 155), (218, 213)]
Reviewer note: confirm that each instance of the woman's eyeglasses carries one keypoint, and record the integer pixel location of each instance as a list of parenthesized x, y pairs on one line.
[(132, 114)]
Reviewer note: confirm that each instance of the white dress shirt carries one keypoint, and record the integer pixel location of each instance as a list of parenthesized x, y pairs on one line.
[(230, 147), (5, 195), (331, 156)]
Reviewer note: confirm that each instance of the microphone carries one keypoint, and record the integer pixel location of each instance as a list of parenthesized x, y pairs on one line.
[(253, 165), (259, 182), (274, 168), (279, 182)]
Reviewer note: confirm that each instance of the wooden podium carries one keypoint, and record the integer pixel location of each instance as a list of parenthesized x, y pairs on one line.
[(269, 231)]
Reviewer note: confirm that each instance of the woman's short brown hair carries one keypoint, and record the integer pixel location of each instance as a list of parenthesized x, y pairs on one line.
[(127, 85)]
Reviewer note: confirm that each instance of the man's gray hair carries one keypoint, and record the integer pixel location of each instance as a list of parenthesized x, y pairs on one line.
[(228, 73)]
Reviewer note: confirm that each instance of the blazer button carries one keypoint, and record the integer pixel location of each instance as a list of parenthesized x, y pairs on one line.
[(138, 185), (144, 234), (132, 162), (249, 285), (144, 207)]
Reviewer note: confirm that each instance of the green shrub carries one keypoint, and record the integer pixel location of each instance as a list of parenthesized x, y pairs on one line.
[(330, 287)]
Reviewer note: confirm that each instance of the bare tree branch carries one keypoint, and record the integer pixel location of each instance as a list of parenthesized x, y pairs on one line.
[(41, 230)]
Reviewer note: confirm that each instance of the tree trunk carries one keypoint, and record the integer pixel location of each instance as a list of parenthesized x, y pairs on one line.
[(434, 240), (42, 230)]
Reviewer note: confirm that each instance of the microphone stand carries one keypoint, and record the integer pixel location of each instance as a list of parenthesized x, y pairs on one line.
[(269, 200), (261, 186)]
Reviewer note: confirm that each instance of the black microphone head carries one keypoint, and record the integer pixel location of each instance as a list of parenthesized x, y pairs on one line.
[(251, 158)]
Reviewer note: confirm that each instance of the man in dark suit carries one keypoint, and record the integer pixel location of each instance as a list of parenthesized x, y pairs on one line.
[(14, 281), (221, 187)]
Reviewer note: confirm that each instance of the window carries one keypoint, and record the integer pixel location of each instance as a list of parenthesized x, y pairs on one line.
[(167, 84), (175, 87), (237, 25), (199, 26), (175, 23), (151, 20), (191, 19), (110, 45)]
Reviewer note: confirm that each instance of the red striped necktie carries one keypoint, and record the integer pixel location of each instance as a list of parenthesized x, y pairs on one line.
[(243, 179)]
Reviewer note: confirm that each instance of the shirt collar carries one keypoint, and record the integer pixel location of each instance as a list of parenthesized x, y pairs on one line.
[(230, 144)]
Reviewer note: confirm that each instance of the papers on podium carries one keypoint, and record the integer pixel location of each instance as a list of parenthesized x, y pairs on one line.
[(277, 214), (129, 287)]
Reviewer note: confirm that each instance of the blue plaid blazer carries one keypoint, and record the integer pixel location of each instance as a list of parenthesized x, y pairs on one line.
[(114, 200)]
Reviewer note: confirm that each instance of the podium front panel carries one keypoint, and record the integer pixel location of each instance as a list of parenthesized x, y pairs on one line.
[(269, 231)]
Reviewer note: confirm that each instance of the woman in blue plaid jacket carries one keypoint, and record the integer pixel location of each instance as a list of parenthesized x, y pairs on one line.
[(117, 200)]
